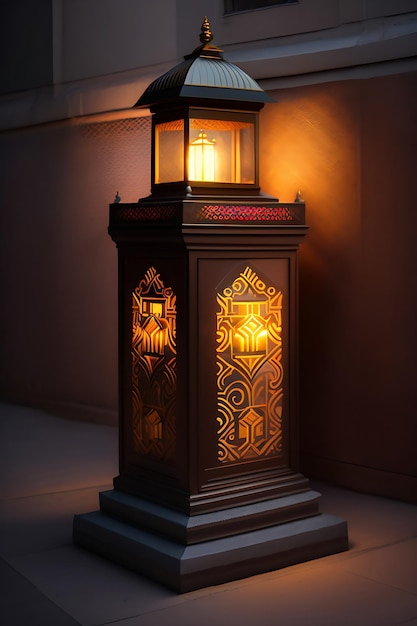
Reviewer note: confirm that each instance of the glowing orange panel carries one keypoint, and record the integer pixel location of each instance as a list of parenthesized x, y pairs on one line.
[(169, 147), (154, 377), (250, 372)]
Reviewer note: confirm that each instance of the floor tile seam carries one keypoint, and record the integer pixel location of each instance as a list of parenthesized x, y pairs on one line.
[(30, 553), (180, 600), (256, 579), (408, 621), (352, 552), (38, 590), (333, 561), (362, 466), (381, 582), (393, 542), (102, 487), (297, 570), (177, 599)]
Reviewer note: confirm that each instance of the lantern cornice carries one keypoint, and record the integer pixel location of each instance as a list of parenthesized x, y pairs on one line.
[(204, 74)]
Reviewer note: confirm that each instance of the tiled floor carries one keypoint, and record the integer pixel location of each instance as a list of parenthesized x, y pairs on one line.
[(51, 468)]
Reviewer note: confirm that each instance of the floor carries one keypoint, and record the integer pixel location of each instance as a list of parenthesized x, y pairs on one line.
[(51, 468)]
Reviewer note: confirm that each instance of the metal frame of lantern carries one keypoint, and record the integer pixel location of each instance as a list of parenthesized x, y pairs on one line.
[(204, 94), (209, 487), (225, 131)]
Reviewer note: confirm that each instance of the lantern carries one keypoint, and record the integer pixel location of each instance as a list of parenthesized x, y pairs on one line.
[(209, 486)]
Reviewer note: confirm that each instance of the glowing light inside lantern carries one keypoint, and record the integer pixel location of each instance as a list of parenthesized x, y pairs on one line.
[(201, 158)]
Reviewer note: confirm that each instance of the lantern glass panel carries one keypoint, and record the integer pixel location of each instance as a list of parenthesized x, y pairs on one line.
[(169, 151), (227, 154)]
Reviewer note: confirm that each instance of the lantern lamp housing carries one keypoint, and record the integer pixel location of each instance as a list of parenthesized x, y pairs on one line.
[(204, 126)]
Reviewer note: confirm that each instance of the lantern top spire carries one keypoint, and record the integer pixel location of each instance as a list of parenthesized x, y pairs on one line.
[(206, 49), (206, 35)]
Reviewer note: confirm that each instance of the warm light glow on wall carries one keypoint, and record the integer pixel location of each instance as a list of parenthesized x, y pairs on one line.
[(303, 143), (201, 158)]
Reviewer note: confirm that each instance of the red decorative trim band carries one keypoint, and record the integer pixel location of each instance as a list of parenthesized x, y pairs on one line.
[(234, 212), (139, 213)]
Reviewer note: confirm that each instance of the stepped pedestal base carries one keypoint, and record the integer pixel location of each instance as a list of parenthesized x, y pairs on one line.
[(189, 552)]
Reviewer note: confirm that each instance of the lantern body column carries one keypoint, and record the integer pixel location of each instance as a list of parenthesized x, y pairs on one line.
[(209, 488)]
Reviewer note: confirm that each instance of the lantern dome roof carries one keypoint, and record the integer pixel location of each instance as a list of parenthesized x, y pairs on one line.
[(203, 74)]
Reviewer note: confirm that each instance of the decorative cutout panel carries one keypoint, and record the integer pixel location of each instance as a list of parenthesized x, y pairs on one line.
[(154, 377), (239, 213), (126, 213), (250, 370)]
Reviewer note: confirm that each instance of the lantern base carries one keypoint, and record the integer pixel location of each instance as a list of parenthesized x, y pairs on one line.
[(189, 552)]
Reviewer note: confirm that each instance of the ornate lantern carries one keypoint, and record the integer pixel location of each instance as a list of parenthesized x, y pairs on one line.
[(209, 488)]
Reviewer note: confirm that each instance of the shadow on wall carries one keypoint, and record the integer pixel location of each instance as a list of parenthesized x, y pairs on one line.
[(59, 269)]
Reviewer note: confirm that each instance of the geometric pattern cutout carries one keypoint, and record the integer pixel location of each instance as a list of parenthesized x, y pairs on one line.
[(238, 213), (125, 213), (250, 371), (154, 378)]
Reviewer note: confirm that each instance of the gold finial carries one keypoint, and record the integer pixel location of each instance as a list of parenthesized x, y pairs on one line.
[(206, 49), (206, 35)]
